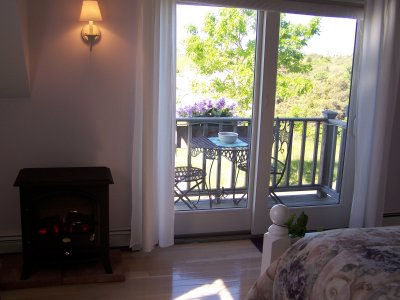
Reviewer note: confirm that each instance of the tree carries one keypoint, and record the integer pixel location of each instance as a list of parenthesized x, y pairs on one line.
[(331, 78), (223, 52), (291, 63)]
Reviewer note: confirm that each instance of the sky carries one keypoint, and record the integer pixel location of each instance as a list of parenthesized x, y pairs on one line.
[(336, 34)]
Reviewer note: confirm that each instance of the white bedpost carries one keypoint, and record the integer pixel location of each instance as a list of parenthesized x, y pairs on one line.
[(276, 240)]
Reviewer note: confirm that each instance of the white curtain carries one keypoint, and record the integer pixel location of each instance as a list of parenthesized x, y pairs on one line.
[(377, 96), (153, 148)]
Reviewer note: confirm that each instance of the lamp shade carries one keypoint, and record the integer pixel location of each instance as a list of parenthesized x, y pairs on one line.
[(90, 11)]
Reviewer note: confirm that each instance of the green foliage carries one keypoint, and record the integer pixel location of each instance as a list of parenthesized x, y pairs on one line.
[(290, 85), (223, 51), (297, 227), (291, 62), (331, 79)]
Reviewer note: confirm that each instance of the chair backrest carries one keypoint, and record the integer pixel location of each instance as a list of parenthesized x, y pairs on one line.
[(281, 150)]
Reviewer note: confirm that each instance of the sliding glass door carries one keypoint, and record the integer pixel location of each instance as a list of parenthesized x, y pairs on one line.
[(215, 74), (265, 76), (315, 63)]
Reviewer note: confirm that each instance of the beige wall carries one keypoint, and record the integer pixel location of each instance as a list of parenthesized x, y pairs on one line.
[(80, 109)]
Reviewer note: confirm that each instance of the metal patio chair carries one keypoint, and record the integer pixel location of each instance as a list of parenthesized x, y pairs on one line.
[(282, 137), (193, 178)]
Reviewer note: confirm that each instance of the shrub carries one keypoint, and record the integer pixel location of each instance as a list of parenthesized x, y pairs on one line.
[(208, 108)]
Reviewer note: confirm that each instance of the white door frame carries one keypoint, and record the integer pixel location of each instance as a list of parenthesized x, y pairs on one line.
[(255, 218)]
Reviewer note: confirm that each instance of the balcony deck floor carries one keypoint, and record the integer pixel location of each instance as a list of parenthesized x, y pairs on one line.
[(291, 199)]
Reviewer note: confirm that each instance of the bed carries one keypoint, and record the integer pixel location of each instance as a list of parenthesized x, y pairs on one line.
[(336, 264)]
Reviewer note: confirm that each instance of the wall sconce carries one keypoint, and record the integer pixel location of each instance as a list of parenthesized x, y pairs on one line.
[(90, 12)]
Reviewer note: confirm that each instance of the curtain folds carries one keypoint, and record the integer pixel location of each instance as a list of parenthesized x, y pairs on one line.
[(377, 96), (153, 148)]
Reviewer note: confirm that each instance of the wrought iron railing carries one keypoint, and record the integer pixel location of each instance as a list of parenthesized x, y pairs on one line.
[(315, 150)]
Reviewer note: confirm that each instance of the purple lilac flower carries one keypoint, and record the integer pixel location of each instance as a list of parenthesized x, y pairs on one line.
[(189, 111), (231, 106), (179, 112), (209, 104), (220, 103), (208, 107), (201, 107)]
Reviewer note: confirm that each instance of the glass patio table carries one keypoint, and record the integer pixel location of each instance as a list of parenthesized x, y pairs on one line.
[(213, 149)]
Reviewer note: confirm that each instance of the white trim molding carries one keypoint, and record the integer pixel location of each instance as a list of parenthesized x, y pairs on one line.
[(333, 8)]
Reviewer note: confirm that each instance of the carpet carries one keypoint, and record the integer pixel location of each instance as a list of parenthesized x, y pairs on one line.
[(258, 242), (11, 265)]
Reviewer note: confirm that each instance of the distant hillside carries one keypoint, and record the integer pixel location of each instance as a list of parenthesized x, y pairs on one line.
[(331, 80)]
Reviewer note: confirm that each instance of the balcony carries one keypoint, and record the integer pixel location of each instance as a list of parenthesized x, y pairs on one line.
[(313, 174)]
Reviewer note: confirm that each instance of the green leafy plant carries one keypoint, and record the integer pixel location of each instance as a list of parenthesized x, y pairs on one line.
[(297, 227)]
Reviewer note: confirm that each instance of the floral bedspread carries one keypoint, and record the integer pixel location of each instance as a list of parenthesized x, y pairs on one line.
[(336, 264)]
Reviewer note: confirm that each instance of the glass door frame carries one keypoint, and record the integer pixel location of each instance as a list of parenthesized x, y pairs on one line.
[(255, 218), (233, 220), (323, 216)]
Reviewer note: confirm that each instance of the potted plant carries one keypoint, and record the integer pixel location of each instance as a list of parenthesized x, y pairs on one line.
[(208, 108), (205, 108), (297, 227)]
